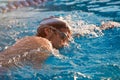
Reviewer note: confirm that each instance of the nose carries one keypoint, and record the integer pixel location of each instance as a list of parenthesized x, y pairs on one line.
[(65, 44)]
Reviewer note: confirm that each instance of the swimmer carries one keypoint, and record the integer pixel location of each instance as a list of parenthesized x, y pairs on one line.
[(52, 33)]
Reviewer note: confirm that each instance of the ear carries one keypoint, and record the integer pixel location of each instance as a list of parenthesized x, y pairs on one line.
[(47, 31)]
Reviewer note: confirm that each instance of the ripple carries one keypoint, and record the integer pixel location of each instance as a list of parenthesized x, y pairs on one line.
[(98, 1), (113, 3), (106, 9)]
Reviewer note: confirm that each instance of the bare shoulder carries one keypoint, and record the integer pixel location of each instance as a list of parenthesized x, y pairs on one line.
[(27, 44), (34, 39), (109, 24), (32, 48), (33, 42)]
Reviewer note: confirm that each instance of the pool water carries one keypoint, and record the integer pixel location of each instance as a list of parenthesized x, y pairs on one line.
[(93, 56)]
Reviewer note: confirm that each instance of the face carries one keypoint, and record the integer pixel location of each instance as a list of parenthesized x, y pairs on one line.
[(60, 37)]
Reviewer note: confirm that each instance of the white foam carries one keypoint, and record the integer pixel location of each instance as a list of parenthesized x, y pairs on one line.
[(82, 28)]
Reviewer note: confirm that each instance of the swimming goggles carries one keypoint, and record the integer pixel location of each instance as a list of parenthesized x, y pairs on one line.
[(62, 34)]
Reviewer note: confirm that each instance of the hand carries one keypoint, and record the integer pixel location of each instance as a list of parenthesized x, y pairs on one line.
[(109, 24)]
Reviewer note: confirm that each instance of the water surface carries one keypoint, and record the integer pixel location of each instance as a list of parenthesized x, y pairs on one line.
[(94, 56)]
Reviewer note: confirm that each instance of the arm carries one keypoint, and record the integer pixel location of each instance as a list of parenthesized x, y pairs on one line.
[(109, 24), (93, 29)]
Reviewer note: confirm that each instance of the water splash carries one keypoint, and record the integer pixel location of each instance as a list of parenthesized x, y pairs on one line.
[(82, 28)]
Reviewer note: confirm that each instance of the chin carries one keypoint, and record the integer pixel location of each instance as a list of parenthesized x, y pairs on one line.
[(57, 47), (61, 46)]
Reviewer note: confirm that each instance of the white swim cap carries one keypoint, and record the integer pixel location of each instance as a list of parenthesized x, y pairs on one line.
[(55, 21), (51, 20)]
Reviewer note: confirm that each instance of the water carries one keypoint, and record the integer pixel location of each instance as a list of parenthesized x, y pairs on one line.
[(93, 56)]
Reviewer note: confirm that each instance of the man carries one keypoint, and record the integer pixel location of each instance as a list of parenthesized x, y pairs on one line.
[(33, 50)]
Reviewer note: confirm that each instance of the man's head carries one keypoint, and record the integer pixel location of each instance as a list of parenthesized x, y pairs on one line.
[(55, 30)]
